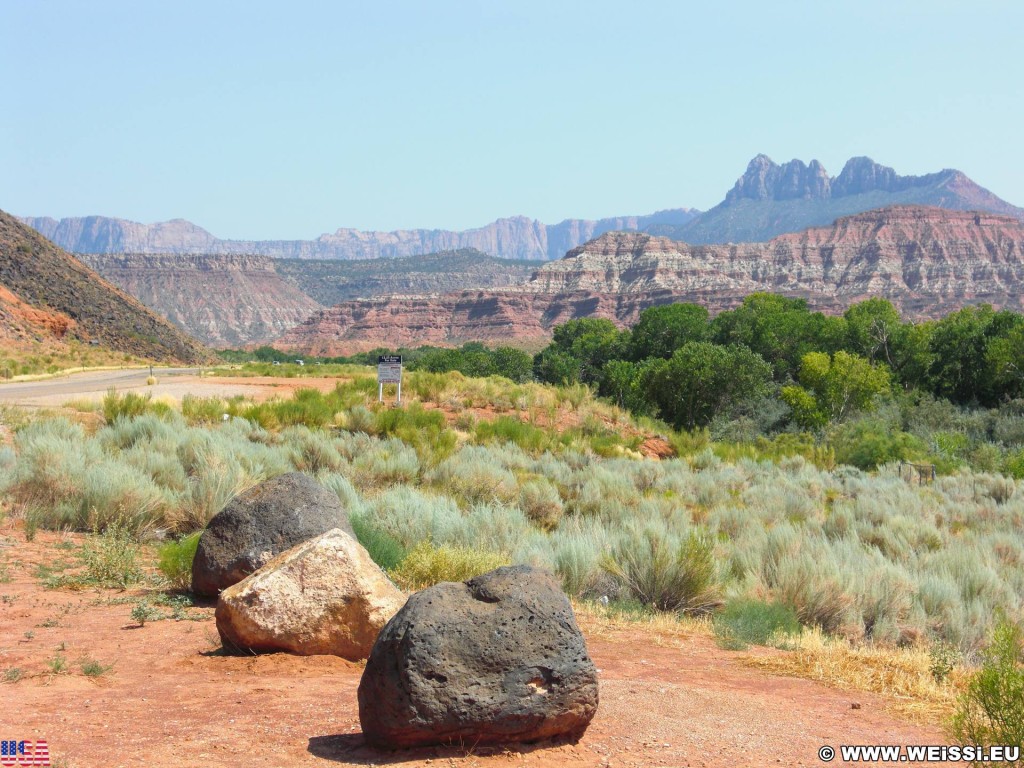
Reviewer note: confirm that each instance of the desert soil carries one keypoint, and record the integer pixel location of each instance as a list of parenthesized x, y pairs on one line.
[(173, 699)]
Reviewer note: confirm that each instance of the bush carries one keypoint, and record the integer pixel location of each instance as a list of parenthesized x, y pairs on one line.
[(110, 559), (509, 429), (867, 444), (125, 406), (991, 710), (427, 564), (667, 574), (754, 622), (202, 410), (540, 502), (175, 560)]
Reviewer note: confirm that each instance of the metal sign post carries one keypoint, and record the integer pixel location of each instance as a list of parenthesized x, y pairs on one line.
[(389, 371)]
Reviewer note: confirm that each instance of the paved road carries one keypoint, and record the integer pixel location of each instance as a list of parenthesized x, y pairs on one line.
[(78, 384)]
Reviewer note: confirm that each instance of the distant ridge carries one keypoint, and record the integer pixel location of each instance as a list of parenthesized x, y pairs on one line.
[(48, 295), (512, 238)]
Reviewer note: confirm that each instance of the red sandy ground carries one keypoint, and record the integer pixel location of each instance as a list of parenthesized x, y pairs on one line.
[(172, 699)]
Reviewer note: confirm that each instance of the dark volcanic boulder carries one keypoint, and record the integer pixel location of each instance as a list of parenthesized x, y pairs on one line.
[(260, 523), (496, 659)]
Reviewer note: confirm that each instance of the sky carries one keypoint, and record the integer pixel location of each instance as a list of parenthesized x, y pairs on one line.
[(285, 120)]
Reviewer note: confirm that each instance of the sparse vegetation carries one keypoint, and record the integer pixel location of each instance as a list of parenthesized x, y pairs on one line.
[(57, 664), (92, 668)]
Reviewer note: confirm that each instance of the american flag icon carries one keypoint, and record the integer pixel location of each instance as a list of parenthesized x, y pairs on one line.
[(24, 753)]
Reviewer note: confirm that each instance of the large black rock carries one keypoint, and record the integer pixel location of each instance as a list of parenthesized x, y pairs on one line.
[(260, 523), (493, 660)]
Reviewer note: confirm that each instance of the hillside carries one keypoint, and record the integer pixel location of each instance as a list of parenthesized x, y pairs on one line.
[(224, 300), (770, 199), (48, 295), (517, 237), (927, 261)]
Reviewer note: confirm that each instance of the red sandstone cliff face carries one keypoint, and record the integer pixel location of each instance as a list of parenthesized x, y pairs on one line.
[(927, 261)]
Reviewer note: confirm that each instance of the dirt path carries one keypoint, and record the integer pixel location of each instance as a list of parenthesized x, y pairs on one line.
[(174, 383), (172, 699)]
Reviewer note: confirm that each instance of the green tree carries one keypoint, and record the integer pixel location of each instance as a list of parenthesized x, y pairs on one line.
[(579, 351), (622, 381), (839, 384), (513, 364), (701, 380), (780, 329), (1004, 357), (660, 331), (874, 330), (961, 367)]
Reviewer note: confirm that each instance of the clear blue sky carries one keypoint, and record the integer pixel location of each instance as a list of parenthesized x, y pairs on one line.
[(289, 119)]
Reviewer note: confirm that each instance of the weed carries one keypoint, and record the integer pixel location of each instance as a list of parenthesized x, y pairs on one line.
[(92, 668), (110, 558), (175, 560), (944, 657), (143, 612), (13, 674), (57, 664)]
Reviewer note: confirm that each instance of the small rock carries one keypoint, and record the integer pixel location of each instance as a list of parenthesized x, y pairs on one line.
[(324, 596), (261, 523), (496, 659)]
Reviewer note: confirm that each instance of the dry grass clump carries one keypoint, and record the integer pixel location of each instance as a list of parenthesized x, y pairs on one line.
[(907, 677), (427, 564), (615, 623)]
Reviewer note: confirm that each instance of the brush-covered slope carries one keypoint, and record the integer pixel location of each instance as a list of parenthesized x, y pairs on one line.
[(50, 295), (927, 261), (224, 300), (770, 199)]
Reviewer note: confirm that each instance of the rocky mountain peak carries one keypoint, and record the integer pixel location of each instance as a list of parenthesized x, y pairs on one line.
[(862, 174), (766, 180)]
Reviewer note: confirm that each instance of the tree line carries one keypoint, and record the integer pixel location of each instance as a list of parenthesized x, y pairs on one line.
[(687, 368)]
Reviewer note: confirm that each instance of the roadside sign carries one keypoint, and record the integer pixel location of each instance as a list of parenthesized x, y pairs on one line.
[(389, 371)]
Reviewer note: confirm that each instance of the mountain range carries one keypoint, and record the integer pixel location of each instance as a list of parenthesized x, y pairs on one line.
[(767, 200), (926, 260)]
